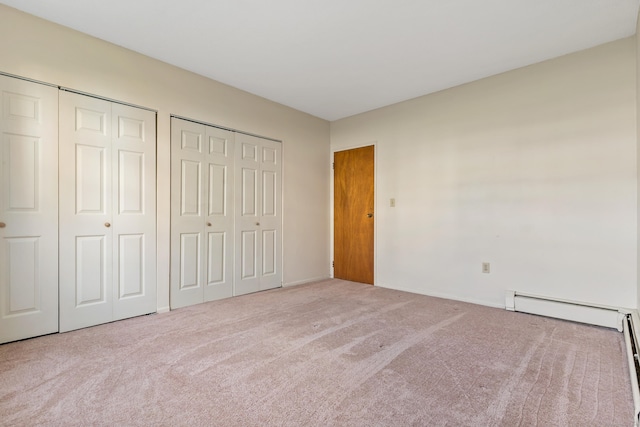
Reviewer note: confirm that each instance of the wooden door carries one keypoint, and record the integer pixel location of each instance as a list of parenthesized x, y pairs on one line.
[(258, 215), (353, 214), (28, 209), (107, 211)]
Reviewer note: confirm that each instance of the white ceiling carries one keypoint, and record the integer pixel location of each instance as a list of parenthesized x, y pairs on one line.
[(336, 58)]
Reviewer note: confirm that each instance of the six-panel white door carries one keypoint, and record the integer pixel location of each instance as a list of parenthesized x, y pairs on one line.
[(258, 218), (28, 209), (107, 211), (201, 213)]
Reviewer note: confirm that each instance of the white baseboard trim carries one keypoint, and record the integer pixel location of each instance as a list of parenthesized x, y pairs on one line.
[(305, 281), (442, 295), (163, 310)]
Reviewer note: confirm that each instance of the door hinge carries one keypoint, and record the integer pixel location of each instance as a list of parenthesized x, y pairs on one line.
[(333, 263), (333, 165)]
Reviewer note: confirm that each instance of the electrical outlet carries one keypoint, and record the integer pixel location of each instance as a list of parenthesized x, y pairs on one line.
[(486, 267), (392, 202)]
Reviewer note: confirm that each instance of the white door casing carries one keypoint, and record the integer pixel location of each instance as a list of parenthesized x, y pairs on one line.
[(28, 209), (202, 217), (258, 230), (107, 211)]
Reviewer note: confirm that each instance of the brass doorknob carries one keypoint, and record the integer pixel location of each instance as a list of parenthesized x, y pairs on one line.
[(208, 224), (106, 224), (369, 215), (2, 225), (257, 223)]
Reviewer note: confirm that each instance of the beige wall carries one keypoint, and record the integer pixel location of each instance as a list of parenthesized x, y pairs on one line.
[(43, 51), (533, 170)]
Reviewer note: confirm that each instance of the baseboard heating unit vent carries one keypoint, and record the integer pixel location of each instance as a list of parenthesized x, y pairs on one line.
[(631, 341), (624, 321), (608, 317)]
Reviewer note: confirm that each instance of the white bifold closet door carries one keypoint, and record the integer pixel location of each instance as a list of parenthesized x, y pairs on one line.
[(225, 213), (202, 213), (258, 230), (107, 211), (28, 209)]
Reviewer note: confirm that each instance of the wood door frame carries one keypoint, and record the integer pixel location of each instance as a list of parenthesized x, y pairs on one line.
[(375, 205)]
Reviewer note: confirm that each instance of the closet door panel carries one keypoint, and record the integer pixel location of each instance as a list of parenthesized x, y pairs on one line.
[(90, 174), (248, 198), (190, 265), (107, 211), (218, 224), (28, 251), (90, 270), (225, 218), (134, 221), (271, 217), (216, 191), (201, 213), (269, 253), (258, 220), (132, 272), (86, 277), (188, 169), (28, 209), (249, 256), (216, 261), (190, 194)]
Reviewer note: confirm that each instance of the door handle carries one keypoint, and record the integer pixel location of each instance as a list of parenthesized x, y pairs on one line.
[(369, 215), (2, 225), (208, 224), (106, 224)]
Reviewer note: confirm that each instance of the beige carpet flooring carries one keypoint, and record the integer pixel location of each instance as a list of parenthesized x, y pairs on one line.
[(331, 353)]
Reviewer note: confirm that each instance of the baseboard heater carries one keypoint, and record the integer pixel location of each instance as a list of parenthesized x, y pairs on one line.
[(608, 317), (631, 340), (624, 321)]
